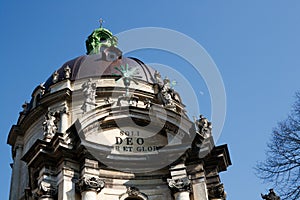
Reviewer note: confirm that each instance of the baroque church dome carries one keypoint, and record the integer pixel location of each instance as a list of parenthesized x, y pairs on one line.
[(105, 126)]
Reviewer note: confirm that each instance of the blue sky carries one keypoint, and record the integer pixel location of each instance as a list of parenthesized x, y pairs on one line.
[(255, 45)]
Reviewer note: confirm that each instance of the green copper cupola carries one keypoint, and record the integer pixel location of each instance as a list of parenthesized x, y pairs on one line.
[(100, 37)]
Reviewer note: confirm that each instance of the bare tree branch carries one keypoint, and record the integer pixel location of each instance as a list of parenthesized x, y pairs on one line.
[(282, 164)]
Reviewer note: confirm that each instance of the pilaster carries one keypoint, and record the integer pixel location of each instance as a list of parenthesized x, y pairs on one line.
[(179, 183), (16, 190), (89, 185)]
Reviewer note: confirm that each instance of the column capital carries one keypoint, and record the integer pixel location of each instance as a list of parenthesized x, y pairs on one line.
[(90, 184), (179, 184)]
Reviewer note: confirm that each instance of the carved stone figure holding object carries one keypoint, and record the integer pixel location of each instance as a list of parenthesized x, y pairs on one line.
[(204, 126), (89, 93), (49, 126)]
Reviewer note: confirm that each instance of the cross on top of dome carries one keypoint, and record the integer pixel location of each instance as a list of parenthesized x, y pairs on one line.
[(100, 37), (101, 22)]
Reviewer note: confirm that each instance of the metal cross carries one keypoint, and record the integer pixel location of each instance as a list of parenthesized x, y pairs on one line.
[(101, 22)]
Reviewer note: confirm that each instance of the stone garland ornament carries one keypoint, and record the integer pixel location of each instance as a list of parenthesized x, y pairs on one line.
[(89, 93), (90, 184)]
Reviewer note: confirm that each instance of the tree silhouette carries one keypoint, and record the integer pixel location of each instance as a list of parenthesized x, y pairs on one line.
[(282, 164)]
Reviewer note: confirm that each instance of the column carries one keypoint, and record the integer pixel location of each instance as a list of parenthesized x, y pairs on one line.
[(90, 187), (179, 183), (64, 125), (180, 188), (65, 181), (199, 189), (15, 184)]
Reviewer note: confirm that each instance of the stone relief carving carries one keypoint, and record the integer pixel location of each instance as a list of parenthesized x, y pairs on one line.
[(270, 196), (89, 93), (133, 191), (148, 103), (217, 191), (108, 100), (90, 184), (49, 126), (127, 101), (180, 184)]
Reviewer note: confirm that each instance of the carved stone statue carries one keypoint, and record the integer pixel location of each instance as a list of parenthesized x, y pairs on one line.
[(157, 78), (167, 94), (67, 71), (55, 76), (89, 93), (204, 126), (49, 126), (270, 196), (25, 107)]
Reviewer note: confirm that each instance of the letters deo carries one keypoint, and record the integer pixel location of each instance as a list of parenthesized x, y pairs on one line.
[(130, 141)]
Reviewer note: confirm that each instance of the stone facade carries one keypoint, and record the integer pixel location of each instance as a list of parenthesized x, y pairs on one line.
[(95, 131)]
